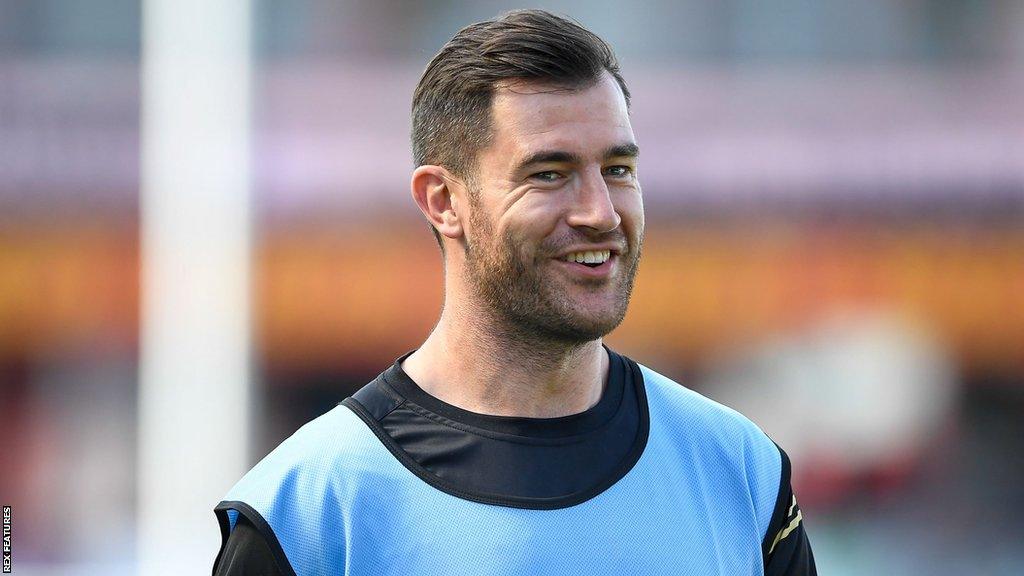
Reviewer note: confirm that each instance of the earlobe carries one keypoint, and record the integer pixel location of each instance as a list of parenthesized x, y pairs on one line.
[(434, 195)]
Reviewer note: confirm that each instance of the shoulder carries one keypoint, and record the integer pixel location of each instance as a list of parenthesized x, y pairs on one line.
[(297, 494), (321, 456), (698, 414), (725, 442)]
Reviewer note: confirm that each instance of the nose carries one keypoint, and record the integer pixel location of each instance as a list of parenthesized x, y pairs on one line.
[(592, 206)]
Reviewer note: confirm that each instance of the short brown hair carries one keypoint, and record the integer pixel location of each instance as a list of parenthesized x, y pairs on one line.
[(451, 107)]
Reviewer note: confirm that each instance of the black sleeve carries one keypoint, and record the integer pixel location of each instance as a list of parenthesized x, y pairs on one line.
[(786, 550), (246, 552)]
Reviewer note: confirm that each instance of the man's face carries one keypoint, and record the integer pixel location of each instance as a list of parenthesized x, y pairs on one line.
[(557, 182)]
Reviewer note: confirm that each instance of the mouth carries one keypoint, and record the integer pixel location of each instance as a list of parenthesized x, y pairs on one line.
[(590, 264), (590, 258)]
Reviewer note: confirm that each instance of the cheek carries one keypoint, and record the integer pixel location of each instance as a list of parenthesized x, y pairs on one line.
[(532, 222), (631, 209)]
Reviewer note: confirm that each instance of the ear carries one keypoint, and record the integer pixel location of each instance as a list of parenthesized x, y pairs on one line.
[(432, 189)]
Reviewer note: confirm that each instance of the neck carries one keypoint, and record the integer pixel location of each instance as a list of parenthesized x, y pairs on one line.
[(475, 362)]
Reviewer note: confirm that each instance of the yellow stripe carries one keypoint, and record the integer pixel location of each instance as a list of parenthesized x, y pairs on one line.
[(782, 534), (788, 529), (791, 506)]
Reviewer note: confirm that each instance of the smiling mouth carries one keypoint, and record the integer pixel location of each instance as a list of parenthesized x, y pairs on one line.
[(599, 269), (590, 258)]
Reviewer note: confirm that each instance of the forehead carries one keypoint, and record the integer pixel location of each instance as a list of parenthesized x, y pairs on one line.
[(527, 117)]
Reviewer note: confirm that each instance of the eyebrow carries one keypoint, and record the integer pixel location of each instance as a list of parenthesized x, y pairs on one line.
[(560, 156), (631, 150)]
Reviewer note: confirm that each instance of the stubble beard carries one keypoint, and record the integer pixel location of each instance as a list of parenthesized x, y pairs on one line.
[(530, 307)]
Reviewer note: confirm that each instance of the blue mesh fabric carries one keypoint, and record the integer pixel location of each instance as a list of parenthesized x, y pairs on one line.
[(697, 502)]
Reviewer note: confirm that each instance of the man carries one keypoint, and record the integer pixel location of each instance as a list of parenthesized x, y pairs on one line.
[(513, 441)]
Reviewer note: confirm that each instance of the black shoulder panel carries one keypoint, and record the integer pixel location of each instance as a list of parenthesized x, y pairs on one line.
[(251, 555), (377, 399), (786, 551)]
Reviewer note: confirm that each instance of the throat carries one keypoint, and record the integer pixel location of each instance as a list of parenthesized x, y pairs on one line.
[(508, 381)]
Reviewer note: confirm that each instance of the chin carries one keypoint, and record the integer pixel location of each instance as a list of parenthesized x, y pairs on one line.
[(579, 328)]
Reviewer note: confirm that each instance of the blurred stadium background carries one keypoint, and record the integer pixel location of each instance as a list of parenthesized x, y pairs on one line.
[(835, 200)]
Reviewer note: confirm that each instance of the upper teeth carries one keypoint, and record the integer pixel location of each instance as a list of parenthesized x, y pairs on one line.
[(598, 257)]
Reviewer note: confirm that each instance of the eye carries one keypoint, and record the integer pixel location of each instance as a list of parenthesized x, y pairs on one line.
[(547, 176), (618, 171)]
